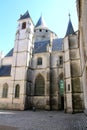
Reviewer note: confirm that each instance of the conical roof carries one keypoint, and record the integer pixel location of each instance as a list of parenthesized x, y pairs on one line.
[(41, 23), (25, 16), (70, 29)]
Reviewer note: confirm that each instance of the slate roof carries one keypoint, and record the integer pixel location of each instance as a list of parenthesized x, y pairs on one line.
[(57, 44), (5, 70), (26, 15), (41, 23), (10, 53), (70, 29), (41, 46)]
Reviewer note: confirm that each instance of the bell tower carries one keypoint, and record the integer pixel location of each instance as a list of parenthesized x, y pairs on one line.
[(21, 59)]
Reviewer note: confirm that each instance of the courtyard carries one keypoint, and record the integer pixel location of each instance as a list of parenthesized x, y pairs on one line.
[(42, 120)]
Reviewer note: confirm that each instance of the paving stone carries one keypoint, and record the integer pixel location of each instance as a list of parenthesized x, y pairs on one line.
[(42, 120)]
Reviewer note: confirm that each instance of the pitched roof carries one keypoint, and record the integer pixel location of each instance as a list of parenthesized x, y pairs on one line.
[(40, 47), (70, 29), (5, 70), (41, 22), (10, 53), (25, 16)]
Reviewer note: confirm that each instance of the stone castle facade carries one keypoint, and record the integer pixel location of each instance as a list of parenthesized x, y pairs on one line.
[(42, 70)]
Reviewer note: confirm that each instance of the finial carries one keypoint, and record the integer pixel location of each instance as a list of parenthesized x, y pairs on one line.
[(69, 15)]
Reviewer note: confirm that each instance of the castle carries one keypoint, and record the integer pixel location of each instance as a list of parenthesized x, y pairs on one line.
[(42, 70)]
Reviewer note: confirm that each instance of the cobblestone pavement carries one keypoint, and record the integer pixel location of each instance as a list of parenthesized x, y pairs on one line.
[(42, 120)]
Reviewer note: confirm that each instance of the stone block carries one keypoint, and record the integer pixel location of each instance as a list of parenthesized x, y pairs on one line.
[(67, 70), (75, 68), (77, 102), (73, 42), (76, 85), (74, 54), (20, 73)]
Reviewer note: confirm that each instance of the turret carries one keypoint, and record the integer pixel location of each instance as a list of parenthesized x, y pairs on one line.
[(42, 32), (70, 29)]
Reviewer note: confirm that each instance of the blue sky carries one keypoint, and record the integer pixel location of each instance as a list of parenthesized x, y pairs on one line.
[(55, 13)]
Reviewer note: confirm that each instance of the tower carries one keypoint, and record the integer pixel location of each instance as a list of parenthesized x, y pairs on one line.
[(21, 59), (72, 72)]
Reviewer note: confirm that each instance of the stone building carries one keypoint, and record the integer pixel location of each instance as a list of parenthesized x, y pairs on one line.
[(82, 20), (42, 70)]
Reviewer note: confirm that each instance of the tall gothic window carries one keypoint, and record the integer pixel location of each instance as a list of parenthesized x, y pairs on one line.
[(5, 90), (39, 86), (17, 91), (24, 25), (39, 61)]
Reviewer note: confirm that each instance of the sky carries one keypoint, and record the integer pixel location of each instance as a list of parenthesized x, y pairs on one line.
[(55, 13)]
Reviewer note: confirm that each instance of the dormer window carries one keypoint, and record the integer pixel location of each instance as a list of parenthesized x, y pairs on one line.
[(24, 25)]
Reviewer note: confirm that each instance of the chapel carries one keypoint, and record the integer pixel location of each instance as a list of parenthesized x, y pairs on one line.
[(42, 70)]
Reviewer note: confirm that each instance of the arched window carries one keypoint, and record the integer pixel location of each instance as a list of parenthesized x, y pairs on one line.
[(39, 86), (39, 61), (5, 90), (24, 25), (17, 91)]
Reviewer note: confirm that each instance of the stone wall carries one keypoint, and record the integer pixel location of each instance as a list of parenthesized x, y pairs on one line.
[(72, 76), (50, 72), (82, 20)]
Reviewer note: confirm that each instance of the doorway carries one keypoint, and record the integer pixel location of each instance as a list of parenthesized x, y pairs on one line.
[(62, 102), (61, 91)]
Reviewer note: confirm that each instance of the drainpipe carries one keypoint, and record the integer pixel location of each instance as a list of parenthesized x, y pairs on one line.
[(50, 94), (50, 89)]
